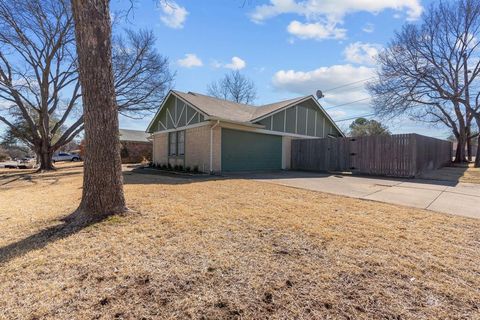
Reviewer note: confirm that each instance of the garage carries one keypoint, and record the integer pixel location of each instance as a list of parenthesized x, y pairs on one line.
[(249, 151)]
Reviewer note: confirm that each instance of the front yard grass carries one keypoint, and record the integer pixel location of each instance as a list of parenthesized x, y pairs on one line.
[(214, 249)]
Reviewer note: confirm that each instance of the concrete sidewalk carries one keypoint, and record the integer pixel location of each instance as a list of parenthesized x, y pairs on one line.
[(443, 196)]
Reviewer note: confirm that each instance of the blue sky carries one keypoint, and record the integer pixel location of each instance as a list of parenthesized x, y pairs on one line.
[(288, 48)]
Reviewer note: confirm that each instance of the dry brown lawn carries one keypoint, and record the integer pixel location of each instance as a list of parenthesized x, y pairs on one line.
[(471, 175), (456, 173), (220, 249)]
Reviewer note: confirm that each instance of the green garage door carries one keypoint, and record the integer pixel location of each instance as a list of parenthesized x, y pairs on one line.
[(248, 151)]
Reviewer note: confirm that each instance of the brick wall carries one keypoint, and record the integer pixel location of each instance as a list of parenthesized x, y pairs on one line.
[(197, 149), (160, 148)]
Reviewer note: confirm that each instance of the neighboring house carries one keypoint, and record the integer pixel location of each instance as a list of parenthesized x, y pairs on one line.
[(135, 146), (214, 135)]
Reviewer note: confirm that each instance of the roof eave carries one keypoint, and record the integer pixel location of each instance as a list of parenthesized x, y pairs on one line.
[(247, 124)]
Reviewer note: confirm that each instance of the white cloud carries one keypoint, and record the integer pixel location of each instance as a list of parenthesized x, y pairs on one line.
[(323, 17), (317, 30), (334, 10), (235, 64), (362, 53), (174, 15), (368, 28), (190, 60), (325, 78)]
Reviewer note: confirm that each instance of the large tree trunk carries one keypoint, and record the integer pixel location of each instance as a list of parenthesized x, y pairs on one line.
[(44, 155), (460, 151), (46, 163), (477, 155), (102, 181), (469, 145)]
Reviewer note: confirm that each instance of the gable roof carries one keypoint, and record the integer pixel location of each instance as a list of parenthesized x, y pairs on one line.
[(229, 110), (237, 112), (133, 135), (218, 108)]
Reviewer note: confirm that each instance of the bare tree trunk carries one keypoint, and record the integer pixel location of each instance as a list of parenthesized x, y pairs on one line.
[(45, 154), (460, 151), (469, 145), (477, 154), (46, 163), (103, 181)]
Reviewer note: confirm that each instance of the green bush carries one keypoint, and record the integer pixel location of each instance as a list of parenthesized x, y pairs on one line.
[(195, 169), (187, 169)]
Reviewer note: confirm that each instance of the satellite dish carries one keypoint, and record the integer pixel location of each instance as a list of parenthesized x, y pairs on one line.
[(319, 94)]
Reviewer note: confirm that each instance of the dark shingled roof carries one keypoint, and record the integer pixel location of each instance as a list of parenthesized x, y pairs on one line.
[(224, 110), (228, 110)]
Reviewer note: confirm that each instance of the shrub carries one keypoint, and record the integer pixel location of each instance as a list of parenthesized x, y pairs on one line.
[(169, 166), (180, 168), (164, 166), (195, 169), (187, 169), (175, 167)]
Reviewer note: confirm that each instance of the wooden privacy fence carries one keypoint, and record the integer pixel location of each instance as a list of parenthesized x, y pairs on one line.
[(399, 155)]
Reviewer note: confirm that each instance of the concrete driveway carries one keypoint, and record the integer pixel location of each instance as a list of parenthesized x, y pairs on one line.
[(443, 196)]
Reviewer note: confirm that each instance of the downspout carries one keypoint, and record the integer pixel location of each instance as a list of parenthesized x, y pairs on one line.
[(211, 145)]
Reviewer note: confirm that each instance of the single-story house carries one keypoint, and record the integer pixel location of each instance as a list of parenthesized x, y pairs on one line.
[(135, 146), (214, 135)]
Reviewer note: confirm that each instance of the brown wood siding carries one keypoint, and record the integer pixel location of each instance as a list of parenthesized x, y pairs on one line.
[(402, 155)]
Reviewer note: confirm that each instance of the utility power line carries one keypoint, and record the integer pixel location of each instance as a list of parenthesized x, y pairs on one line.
[(352, 118), (347, 103), (348, 84)]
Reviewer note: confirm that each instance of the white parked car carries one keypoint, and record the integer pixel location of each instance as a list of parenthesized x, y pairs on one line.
[(64, 156), (26, 163)]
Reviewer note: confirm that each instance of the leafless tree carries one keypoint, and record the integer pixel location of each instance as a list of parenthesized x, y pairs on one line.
[(39, 76), (142, 76), (430, 70), (234, 87), (102, 180)]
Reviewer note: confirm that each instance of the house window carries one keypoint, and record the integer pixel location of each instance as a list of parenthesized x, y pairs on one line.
[(176, 143), (181, 142), (172, 138)]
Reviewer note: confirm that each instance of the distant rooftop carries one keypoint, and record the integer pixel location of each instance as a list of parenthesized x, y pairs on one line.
[(133, 135)]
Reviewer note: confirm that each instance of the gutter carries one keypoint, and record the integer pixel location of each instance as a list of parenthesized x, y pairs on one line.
[(211, 145)]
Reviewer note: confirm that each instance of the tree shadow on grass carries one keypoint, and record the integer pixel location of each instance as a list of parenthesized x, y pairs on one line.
[(69, 226)]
